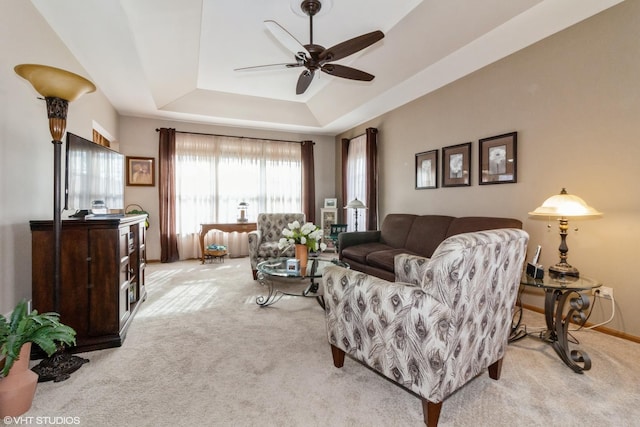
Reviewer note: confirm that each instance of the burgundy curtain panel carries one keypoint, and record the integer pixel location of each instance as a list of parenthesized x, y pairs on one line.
[(167, 195), (308, 182), (345, 158), (372, 179)]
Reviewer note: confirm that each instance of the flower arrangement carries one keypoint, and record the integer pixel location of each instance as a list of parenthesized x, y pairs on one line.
[(307, 234)]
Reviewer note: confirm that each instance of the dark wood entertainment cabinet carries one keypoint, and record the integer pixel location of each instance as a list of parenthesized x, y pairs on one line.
[(102, 276)]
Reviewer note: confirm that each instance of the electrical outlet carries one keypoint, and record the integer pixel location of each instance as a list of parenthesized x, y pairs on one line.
[(603, 292)]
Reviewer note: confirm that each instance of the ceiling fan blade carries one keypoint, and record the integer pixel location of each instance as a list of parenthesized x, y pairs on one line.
[(285, 37), (347, 72), (304, 81), (269, 67), (351, 46)]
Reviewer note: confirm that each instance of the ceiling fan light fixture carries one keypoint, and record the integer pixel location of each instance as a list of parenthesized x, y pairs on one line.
[(297, 8)]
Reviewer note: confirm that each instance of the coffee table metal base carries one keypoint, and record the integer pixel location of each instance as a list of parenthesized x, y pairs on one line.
[(274, 294)]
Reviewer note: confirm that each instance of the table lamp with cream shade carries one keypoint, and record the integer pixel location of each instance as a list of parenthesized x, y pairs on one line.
[(564, 206), (58, 87)]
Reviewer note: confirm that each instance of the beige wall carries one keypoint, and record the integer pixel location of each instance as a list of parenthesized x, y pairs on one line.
[(26, 152), (139, 138), (574, 100)]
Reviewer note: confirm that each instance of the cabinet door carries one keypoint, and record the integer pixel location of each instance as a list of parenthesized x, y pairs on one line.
[(74, 276), (108, 262)]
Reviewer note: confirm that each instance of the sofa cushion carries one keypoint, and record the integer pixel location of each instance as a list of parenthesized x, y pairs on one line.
[(395, 229), (470, 224), (385, 259), (360, 252), (426, 234)]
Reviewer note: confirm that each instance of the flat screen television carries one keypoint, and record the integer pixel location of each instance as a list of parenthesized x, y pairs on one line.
[(92, 172)]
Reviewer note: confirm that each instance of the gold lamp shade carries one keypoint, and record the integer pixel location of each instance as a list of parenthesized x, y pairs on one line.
[(59, 87), (55, 82)]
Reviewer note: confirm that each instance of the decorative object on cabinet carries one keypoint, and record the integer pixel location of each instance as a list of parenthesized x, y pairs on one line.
[(140, 171), (456, 165), (134, 209), (17, 382), (564, 206), (427, 170), (355, 204), (331, 203), (498, 160), (59, 87)]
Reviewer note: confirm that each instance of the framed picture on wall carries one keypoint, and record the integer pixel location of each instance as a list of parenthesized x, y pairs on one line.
[(497, 159), (427, 170), (328, 217), (140, 171), (456, 165)]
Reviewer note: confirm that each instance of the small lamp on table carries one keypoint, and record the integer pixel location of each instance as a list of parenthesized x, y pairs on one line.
[(564, 206)]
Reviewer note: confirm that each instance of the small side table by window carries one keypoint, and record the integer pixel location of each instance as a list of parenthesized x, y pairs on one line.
[(558, 293)]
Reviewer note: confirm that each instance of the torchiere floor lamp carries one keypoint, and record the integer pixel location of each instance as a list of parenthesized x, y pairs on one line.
[(58, 87), (356, 204)]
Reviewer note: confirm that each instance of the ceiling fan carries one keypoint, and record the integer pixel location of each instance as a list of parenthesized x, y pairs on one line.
[(315, 57)]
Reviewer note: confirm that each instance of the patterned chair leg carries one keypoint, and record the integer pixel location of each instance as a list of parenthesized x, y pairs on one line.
[(495, 369), (431, 412), (255, 274), (338, 356)]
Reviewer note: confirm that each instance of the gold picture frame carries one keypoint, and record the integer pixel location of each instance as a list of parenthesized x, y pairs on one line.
[(141, 171)]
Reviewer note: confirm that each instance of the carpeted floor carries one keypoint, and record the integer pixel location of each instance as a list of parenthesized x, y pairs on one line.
[(200, 352)]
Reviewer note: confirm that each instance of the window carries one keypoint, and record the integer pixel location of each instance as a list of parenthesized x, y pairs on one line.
[(356, 182), (215, 173)]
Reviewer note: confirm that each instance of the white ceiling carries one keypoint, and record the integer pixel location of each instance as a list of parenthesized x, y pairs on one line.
[(175, 59)]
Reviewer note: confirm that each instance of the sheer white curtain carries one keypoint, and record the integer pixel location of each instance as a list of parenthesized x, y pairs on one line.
[(215, 173), (356, 181)]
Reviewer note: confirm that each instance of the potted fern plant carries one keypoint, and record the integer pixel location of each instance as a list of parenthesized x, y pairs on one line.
[(17, 382)]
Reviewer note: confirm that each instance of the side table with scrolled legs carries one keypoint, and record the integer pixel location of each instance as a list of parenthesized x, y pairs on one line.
[(560, 294)]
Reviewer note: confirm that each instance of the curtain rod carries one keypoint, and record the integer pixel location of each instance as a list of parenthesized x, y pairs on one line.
[(241, 137)]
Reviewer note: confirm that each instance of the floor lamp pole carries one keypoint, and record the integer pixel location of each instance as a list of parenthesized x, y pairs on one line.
[(57, 113), (57, 225)]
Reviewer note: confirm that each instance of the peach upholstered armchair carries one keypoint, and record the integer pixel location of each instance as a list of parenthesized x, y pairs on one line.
[(263, 242), (442, 322)]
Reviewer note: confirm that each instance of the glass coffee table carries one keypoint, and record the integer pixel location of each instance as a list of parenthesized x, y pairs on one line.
[(564, 295), (273, 270)]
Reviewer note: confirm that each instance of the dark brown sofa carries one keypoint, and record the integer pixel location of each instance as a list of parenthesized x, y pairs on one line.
[(373, 252)]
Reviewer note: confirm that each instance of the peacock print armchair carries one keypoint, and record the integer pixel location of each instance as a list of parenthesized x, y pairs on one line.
[(442, 322), (263, 242)]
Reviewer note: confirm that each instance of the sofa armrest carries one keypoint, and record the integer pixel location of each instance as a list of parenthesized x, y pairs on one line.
[(396, 328), (410, 268), (353, 238)]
